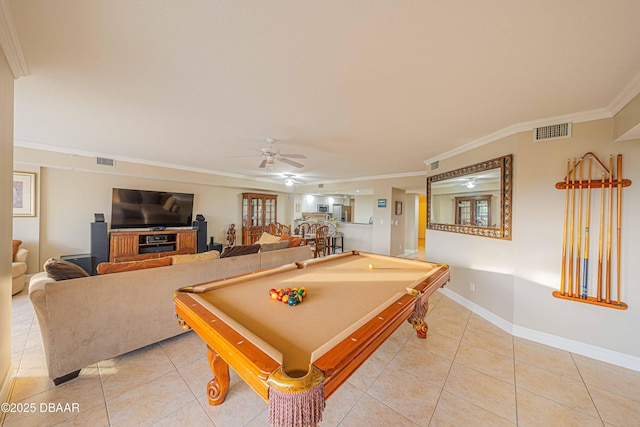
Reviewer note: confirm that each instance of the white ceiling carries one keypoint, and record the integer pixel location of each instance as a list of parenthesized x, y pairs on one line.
[(360, 87)]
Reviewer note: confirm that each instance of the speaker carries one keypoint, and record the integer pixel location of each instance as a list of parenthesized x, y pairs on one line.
[(99, 245), (201, 226), (83, 261)]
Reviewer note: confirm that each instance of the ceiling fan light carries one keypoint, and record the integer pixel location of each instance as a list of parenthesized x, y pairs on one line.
[(470, 184), (288, 182)]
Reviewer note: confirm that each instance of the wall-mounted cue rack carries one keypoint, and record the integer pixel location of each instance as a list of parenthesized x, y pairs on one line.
[(575, 282)]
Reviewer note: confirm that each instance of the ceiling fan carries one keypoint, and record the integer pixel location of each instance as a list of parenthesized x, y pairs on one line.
[(271, 154), (290, 179)]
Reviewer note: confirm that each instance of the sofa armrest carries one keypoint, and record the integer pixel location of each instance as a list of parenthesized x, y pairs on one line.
[(36, 286), (21, 255), (38, 281)]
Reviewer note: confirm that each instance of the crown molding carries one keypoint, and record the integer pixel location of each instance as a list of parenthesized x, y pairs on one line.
[(625, 96), (85, 153), (10, 43), (370, 178), (629, 92), (584, 116)]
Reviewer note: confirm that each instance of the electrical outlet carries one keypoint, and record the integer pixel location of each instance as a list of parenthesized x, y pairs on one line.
[(472, 286)]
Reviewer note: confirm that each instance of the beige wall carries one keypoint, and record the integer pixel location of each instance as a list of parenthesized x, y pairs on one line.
[(514, 279), (6, 212), (363, 209), (381, 227), (411, 222)]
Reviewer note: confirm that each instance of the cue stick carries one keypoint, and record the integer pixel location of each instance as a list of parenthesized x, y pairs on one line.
[(619, 225), (585, 273), (600, 242), (609, 231), (572, 227), (564, 230), (579, 231)]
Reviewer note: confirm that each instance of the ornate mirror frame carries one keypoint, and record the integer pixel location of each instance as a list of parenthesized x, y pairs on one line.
[(504, 230)]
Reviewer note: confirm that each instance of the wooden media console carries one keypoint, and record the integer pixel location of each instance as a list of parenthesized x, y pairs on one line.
[(139, 245)]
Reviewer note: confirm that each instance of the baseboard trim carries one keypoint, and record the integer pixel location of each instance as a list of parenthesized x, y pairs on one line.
[(587, 350)]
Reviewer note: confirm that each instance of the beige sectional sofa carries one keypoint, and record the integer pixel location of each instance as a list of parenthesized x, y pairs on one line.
[(89, 319)]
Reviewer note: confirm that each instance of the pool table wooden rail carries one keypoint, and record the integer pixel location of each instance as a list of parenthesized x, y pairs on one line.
[(250, 363), (343, 359)]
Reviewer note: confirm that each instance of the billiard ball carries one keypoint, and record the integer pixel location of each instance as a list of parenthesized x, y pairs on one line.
[(371, 266)]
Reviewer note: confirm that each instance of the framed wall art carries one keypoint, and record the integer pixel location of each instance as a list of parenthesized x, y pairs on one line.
[(24, 194)]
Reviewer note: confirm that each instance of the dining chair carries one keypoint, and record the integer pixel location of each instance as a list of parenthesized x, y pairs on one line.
[(283, 229), (321, 246), (272, 229), (304, 228)]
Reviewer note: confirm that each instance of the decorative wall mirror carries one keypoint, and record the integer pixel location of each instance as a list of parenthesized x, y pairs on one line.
[(472, 200)]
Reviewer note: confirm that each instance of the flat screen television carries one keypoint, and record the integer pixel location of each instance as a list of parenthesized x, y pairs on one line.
[(143, 208)]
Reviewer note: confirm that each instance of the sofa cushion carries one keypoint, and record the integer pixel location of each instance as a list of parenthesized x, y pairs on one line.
[(230, 251), (118, 267), (59, 269), (268, 238), (266, 247), (293, 241), (16, 245), (185, 259)]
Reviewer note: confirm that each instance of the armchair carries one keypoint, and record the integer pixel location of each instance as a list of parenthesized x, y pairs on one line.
[(18, 270)]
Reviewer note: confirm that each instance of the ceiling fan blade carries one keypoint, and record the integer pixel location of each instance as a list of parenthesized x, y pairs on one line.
[(291, 162), (263, 163), (294, 156)]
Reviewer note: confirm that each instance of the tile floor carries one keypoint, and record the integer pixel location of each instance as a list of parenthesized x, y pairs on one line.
[(467, 372)]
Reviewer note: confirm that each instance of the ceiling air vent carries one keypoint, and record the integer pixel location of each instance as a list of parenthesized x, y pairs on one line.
[(434, 165), (105, 162), (562, 130)]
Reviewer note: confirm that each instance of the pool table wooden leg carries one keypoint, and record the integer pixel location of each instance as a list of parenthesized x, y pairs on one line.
[(217, 388), (417, 319)]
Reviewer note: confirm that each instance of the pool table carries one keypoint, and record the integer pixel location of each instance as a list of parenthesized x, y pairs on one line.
[(295, 357)]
